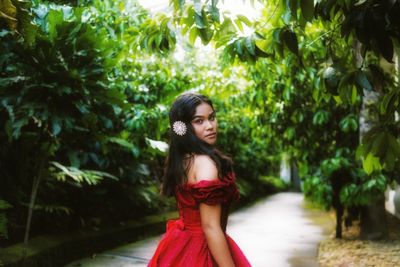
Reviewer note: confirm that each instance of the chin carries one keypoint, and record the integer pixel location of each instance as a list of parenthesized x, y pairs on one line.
[(211, 142)]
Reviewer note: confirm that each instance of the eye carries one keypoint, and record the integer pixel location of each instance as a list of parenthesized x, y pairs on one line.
[(199, 121), (212, 117)]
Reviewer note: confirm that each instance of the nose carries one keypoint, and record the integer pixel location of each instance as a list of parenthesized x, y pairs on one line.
[(209, 125)]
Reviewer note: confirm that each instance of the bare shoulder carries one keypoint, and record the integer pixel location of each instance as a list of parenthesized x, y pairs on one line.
[(204, 168)]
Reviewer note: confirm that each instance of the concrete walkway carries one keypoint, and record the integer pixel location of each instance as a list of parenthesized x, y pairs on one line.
[(277, 231)]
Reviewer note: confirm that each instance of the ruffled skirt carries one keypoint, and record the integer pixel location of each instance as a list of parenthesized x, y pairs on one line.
[(185, 245)]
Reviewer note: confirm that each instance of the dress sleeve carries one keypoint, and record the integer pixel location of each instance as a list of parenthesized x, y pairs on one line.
[(215, 191)]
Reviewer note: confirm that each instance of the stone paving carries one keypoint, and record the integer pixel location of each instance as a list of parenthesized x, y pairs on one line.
[(278, 231)]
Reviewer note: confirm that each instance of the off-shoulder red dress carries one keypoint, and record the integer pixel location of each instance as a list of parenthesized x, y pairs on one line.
[(184, 243)]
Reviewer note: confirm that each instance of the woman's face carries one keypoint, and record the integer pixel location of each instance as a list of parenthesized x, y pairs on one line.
[(205, 123)]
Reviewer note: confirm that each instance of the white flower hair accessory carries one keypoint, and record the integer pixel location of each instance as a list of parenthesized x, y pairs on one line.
[(179, 128)]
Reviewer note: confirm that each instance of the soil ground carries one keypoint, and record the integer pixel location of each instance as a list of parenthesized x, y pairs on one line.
[(353, 252)]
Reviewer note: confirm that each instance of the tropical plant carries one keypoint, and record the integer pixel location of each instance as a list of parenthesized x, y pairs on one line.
[(356, 37)]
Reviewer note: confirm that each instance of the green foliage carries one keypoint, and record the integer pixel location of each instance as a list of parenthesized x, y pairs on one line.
[(72, 103), (67, 64), (318, 186), (318, 190), (8, 14), (245, 48), (275, 182), (360, 189), (289, 38), (80, 101), (157, 35), (378, 149), (326, 51), (321, 117), (240, 132), (307, 9), (90, 177), (204, 19), (374, 23), (53, 209), (349, 123), (288, 27), (369, 190)]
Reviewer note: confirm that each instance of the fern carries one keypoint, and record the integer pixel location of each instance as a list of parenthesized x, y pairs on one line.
[(91, 177), (4, 205), (53, 209)]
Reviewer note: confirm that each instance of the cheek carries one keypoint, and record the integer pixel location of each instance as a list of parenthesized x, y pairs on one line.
[(197, 129)]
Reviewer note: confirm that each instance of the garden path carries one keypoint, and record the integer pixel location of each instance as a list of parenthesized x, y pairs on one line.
[(277, 231)]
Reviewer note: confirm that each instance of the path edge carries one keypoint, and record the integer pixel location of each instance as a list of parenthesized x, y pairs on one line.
[(58, 250)]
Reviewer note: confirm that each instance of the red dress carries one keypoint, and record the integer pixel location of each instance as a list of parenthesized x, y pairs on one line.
[(184, 244)]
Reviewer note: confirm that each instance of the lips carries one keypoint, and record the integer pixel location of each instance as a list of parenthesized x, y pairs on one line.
[(211, 135)]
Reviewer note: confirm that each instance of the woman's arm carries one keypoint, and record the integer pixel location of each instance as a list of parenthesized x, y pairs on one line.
[(210, 215), (216, 240)]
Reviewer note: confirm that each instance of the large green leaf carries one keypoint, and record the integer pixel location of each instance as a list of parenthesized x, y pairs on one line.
[(371, 163), (385, 45), (8, 13), (362, 81), (54, 19), (250, 46), (292, 6), (157, 145), (307, 9), (349, 123), (320, 117), (290, 40)]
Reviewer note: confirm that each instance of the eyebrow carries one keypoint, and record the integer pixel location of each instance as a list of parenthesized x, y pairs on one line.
[(198, 116)]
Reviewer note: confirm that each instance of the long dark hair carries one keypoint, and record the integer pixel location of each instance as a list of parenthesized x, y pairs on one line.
[(188, 145)]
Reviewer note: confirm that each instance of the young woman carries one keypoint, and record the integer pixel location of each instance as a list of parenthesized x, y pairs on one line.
[(203, 183)]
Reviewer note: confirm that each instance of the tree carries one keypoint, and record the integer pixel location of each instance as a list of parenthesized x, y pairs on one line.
[(373, 24)]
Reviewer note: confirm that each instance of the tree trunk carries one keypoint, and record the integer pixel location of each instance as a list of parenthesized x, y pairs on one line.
[(294, 176), (373, 216), (373, 220), (35, 187)]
